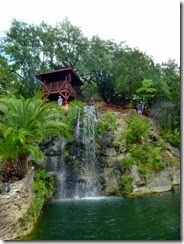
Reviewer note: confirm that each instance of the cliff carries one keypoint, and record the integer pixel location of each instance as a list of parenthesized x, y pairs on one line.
[(107, 149), (13, 206)]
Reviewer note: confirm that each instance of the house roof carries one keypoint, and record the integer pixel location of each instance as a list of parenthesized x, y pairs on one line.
[(57, 75)]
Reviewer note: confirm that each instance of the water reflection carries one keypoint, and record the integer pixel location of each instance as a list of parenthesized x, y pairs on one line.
[(150, 217)]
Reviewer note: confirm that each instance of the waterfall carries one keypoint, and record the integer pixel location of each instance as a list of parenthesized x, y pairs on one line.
[(61, 171), (89, 134), (88, 185), (78, 176)]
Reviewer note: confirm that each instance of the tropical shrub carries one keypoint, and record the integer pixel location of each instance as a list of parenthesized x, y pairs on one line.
[(127, 161), (110, 119), (173, 137), (127, 186), (24, 123), (108, 123), (137, 129), (147, 157), (43, 186)]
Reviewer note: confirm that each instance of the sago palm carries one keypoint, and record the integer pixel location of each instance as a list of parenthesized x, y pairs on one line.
[(30, 121), (12, 148)]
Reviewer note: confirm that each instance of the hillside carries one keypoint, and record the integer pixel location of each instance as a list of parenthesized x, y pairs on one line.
[(109, 157)]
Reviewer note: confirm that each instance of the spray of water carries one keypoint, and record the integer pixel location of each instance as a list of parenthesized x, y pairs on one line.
[(85, 183)]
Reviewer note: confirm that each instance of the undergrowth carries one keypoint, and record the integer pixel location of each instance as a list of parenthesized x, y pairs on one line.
[(43, 188), (142, 152)]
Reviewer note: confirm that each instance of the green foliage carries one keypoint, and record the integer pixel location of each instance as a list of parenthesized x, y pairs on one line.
[(8, 79), (142, 153), (147, 157), (113, 70), (127, 186), (110, 119), (131, 68), (137, 129), (43, 187), (34, 48), (127, 161), (173, 137), (43, 184), (89, 90), (102, 127), (108, 123), (146, 92), (76, 163), (116, 192), (70, 114), (171, 76), (66, 153), (24, 123), (70, 44)]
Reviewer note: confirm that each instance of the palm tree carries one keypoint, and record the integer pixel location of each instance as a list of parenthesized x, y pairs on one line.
[(12, 148), (24, 124)]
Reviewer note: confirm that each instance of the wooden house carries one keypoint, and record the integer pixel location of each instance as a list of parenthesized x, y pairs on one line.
[(64, 82)]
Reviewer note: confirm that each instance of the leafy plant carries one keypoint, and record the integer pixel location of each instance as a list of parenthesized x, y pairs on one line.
[(108, 123), (43, 187), (137, 129), (173, 137), (147, 157), (110, 119), (146, 92), (43, 183), (24, 123), (127, 161), (127, 186), (101, 127)]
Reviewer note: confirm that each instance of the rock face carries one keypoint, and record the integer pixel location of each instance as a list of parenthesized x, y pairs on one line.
[(102, 173), (13, 205), (162, 181), (90, 165)]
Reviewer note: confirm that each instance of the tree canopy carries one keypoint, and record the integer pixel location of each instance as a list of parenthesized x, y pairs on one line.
[(112, 72)]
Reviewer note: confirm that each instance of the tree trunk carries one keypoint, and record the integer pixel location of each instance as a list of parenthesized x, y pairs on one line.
[(8, 171), (22, 167)]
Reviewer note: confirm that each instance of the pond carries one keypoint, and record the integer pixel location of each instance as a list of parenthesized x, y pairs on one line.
[(148, 217)]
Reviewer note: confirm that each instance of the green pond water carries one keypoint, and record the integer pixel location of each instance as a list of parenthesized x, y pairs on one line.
[(148, 217)]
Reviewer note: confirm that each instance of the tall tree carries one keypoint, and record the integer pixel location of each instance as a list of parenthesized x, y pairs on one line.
[(31, 49), (129, 72), (146, 92), (97, 66), (8, 79), (171, 76), (69, 44)]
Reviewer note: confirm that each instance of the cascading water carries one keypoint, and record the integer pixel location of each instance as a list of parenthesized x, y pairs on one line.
[(77, 130), (61, 172), (78, 174), (88, 185)]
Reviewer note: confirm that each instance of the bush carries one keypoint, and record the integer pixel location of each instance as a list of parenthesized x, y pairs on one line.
[(43, 188), (127, 161), (110, 119), (108, 123), (137, 129), (127, 186), (102, 127), (173, 137), (147, 157), (43, 183)]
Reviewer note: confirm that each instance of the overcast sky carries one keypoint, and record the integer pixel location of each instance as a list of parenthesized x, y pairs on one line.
[(152, 26)]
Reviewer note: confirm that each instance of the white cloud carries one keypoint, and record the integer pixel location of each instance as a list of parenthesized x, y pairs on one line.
[(153, 26)]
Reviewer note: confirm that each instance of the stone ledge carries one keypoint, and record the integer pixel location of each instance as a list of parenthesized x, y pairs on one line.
[(14, 204), (161, 182)]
